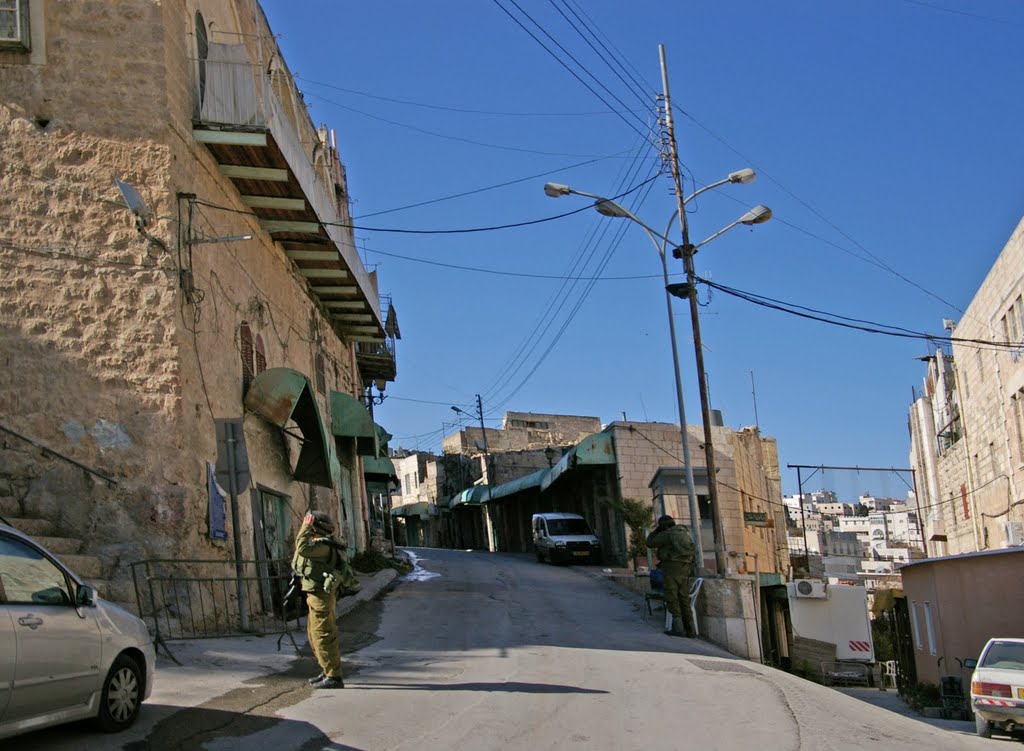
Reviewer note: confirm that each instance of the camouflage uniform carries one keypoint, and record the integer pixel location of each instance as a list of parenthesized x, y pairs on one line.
[(676, 552), (314, 557)]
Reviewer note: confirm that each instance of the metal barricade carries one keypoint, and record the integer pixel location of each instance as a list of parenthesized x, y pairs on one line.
[(203, 599)]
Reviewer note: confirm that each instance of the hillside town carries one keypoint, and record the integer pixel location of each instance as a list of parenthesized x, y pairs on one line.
[(202, 375)]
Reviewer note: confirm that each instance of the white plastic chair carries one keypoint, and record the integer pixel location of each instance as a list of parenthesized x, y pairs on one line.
[(695, 586)]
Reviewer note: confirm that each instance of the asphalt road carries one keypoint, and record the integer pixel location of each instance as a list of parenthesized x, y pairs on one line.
[(492, 651)]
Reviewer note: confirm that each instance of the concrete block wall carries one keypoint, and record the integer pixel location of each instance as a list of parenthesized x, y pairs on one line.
[(726, 615)]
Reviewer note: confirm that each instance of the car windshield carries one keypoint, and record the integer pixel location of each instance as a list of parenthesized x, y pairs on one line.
[(568, 527), (1005, 655)]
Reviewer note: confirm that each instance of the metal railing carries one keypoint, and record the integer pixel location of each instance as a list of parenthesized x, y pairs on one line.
[(199, 599)]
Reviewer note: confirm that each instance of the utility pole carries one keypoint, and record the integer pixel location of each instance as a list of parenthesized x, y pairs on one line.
[(488, 464), (686, 250)]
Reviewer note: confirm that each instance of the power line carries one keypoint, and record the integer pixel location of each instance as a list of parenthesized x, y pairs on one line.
[(854, 323), (444, 108), (445, 136), (518, 274), (460, 231), (571, 71), (493, 187), (560, 297)]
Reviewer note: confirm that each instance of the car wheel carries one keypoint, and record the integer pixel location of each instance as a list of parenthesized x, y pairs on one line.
[(121, 696), (983, 726)]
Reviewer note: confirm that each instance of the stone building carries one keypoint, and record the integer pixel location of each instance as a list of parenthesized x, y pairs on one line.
[(967, 422), (217, 295)]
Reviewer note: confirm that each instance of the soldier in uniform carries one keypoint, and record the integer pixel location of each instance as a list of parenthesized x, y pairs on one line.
[(318, 558), (676, 552)]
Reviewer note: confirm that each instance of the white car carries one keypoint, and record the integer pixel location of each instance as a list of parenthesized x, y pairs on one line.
[(65, 654), (997, 686)]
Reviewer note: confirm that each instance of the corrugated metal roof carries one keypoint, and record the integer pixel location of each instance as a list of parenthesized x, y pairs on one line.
[(470, 496), (595, 449), (518, 485)]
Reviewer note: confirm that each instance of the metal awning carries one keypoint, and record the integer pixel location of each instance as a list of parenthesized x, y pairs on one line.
[(282, 396), (518, 485), (595, 449), (470, 496), (422, 509), (383, 436), (379, 468), (351, 419)]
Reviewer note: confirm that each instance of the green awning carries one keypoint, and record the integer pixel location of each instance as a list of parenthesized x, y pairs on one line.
[(282, 396), (518, 485), (422, 509), (379, 467), (470, 496), (351, 419), (595, 449), (383, 437)]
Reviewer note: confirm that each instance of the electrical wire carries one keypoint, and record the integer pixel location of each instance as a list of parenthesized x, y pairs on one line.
[(575, 75), (857, 324), (517, 274), (445, 136), (493, 187), (460, 110), (460, 231)]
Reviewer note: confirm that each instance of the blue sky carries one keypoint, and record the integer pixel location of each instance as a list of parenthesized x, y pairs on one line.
[(885, 133)]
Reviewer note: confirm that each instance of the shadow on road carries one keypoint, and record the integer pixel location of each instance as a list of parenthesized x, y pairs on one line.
[(510, 687)]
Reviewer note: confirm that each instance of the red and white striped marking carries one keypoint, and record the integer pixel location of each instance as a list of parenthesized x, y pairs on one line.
[(996, 702), (860, 646)]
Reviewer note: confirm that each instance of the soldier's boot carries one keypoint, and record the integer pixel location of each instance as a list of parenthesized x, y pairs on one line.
[(678, 629), (330, 681), (317, 678)]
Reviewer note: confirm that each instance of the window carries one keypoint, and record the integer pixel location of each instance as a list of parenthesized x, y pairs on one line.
[(246, 348), (913, 624), (929, 626), (260, 354), (29, 577), (321, 378), (14, 30), (1018, 419), (202, 52)]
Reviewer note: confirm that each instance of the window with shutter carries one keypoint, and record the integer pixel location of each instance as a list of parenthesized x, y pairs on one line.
[(261, 355), (246, 348), (14, 28)]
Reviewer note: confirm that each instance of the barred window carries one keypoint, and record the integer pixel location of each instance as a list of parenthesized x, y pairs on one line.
[(261, 355), (14, 30), (202, 52), (246, 349), (321, 377)]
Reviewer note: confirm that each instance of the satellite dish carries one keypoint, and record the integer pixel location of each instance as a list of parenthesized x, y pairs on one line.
[(134, 202)]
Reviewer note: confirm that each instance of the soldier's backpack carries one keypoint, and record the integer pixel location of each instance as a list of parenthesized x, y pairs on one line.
[(680, 544)]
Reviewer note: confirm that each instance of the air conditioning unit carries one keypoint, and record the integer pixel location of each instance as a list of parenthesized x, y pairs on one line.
[(810, 588), (1013, 534)]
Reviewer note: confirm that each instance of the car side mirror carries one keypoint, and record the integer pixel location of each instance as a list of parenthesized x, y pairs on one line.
[(970, 662), (85, 596)]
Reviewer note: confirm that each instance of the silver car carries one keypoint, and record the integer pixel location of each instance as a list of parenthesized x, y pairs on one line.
[(65, 654)]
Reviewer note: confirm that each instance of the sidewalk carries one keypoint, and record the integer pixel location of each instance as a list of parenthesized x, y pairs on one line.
[(211, 667), (893, 702)]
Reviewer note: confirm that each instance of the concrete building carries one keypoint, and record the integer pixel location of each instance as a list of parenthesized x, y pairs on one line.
[(212, 313), (967, 421)]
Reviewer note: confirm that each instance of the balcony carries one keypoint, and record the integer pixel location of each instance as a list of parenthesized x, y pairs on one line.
[(252, 119), (376, 360)]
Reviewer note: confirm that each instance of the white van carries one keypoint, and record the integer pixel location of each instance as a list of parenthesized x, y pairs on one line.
[(564, 538)]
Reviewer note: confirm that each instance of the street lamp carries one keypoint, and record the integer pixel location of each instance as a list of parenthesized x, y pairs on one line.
[(758, 215)]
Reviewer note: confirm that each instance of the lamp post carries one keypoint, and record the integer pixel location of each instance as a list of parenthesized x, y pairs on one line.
[(757, 215)]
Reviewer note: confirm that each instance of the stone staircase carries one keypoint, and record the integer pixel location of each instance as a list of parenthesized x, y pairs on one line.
[(68, 549)]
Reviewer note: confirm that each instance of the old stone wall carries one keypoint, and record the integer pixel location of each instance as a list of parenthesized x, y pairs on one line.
[(989, 460), (104, 358)]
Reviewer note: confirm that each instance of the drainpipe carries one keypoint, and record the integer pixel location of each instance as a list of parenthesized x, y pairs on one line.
[(757, 604)]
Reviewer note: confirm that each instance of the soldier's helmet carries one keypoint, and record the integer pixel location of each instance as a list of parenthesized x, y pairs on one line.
[(322, 523), (666, 521)]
